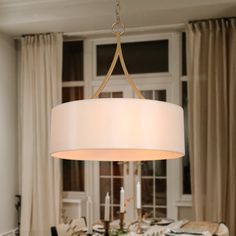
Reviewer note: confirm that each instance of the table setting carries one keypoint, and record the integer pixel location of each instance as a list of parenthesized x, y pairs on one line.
[(146, 226), (142, 225), (162, 227)]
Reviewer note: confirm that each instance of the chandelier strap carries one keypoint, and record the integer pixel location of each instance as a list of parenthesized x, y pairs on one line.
[(127, 75), (118, 54)]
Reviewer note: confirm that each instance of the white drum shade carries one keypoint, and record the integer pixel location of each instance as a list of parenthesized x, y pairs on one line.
[(117, 129)]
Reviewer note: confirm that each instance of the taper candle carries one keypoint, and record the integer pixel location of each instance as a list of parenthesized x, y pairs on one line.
[(107, 207), (122, 200), (138, 195), (89, 216)]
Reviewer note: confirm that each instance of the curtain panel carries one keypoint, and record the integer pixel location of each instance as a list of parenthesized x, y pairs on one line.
[(39, 90), (211, 58)]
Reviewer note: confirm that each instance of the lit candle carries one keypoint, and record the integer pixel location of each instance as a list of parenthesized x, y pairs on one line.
[(122, 200), (89, 206), (107, 207), (138, 195)]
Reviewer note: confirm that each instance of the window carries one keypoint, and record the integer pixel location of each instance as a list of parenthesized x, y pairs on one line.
[(73, 171), (140, 57)]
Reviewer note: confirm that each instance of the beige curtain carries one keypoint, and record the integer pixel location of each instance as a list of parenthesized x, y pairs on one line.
[(39, 91), (211, 47)]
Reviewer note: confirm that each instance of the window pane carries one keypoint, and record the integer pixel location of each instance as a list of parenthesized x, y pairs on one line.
[(102, 212), (140, 57), (105, 168), (160, 95), (148, 94), (73, 175), (160, 192), (72, 93), (160, 168), (186, 163), (117, 94), (111, 95), (117, 168), (117, 184), (105, 95), (105, 186), (147, 168), (184, 56), (116, 213), (147, 187), (72, 61)]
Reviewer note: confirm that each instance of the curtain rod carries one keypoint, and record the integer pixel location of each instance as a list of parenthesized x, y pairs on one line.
[(143, 29), (220, 18), (47, 33), (94, 33)]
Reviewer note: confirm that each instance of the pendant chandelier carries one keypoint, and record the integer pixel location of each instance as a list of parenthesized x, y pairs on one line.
[(117, 129)]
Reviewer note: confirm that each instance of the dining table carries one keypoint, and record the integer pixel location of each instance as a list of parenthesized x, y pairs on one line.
[(163, 227)]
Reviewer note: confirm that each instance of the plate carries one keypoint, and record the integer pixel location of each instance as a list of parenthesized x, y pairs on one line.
[(165, 222), (98, 228)]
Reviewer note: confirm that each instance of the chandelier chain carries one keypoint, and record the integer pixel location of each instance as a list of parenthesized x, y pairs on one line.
[(117, 12), (118, 26)]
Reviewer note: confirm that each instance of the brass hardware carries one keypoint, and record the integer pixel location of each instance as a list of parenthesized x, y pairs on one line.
[(118, 29), (118, 54)]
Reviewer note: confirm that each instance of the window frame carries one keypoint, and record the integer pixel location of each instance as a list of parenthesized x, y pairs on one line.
[(185, 200)]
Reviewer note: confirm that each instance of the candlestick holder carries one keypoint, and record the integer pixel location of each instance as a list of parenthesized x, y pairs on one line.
[(122, 216), (89, 230), (106, 227), (139, 229)]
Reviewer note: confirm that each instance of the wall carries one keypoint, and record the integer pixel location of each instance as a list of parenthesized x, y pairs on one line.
[(185, 213), (8, 134)]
